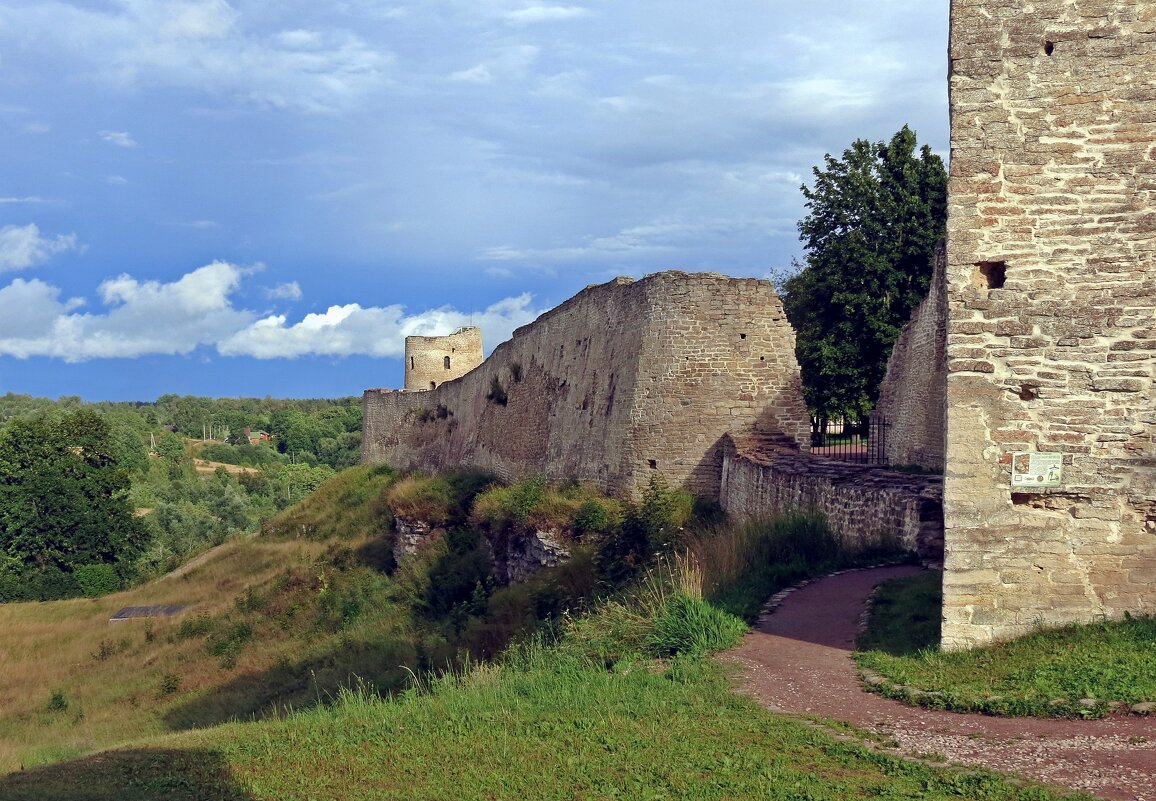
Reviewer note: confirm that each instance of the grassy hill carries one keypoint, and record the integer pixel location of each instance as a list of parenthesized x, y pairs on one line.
[(320, 652), (264, 628)]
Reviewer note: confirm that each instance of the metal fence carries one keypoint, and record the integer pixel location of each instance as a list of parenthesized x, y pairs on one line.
[(863, 441)]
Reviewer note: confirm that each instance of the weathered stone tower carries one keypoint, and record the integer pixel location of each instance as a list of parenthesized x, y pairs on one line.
[(431, 361), (1050, 487)]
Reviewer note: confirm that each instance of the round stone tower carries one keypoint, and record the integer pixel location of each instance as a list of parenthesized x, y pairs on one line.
[(431, 361)]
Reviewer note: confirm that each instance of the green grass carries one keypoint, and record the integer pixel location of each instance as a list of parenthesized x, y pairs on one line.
[(1047, 673), (905, 615), (746, 564), (547, 725)]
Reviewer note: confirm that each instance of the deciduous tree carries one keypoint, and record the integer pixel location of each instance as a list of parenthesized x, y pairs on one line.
[(874, 217), (63, 496)]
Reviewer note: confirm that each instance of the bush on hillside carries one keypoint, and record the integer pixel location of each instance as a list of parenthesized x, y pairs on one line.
[(531, 503), (656, 525), (442, 500)]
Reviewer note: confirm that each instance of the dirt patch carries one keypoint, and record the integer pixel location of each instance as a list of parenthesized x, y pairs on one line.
[(204, 467)]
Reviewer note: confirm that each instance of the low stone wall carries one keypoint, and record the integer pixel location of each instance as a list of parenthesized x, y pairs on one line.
[(762, 479)]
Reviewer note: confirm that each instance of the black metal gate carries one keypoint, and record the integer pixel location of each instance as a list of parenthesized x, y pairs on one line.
[(851, 440)]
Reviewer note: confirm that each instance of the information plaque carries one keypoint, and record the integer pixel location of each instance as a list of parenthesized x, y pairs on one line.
[(1041, 470)]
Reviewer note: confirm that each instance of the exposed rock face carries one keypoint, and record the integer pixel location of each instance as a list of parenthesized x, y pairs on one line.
[(1052, 315), (516, 556), (410, 535), (519, 556)]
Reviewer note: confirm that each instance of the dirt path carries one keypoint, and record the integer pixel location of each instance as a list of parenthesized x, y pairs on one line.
[(798, 660), (204, 467)]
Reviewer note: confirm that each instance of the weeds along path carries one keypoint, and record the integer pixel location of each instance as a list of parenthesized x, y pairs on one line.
[(798, 661)]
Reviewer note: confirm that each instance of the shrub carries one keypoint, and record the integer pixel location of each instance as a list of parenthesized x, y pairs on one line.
[(531, 503), (170, 683), (497, 393), (58, 701), (97, 579), (443, 500), (656, 525)]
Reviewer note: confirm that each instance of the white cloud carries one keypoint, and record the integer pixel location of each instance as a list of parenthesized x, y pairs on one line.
[(116, 180), (535, 14), (201, 45), (195, 21), (28, 310), (476, 74), (28, 199), (118, 138), (144, 318), (374, 331), (289, 291), (23, 246), (513, 62)]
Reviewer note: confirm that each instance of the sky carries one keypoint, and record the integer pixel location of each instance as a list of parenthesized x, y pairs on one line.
[(256, 198)]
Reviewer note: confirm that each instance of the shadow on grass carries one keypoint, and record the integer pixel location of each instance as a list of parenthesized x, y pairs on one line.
[(292, 686), (905, 615), (129, 775)]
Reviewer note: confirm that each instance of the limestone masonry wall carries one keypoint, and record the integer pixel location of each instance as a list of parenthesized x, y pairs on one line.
[(431, 361), (1052, 306), (621, 381), (912, 397), (861, 502)]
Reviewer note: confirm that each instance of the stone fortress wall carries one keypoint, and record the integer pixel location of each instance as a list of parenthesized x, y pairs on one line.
[(431, 361), (1052, 305), (625, 380), (912, 395)]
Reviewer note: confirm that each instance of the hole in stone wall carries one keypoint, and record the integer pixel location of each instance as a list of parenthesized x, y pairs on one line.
[(992, 274), (446, 362), (742, 336), (653, 463), (762, 358), (433, 385), (1049, 48), (1028, 393), (411, 362)]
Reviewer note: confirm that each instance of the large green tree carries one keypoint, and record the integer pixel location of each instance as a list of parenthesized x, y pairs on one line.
[(874, 217), (64, 500)]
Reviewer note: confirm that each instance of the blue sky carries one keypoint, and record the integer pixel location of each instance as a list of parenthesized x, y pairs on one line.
[(249, 198)]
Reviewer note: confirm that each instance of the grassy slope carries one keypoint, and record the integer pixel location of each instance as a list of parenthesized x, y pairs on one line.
[(71, 682), (1028, 676), (557, 729)]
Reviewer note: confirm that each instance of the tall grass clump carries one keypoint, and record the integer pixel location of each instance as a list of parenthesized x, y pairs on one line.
[(662, 615), (746, 564)]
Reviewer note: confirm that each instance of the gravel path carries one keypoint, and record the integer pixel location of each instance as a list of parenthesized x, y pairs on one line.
[(798, 661)]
